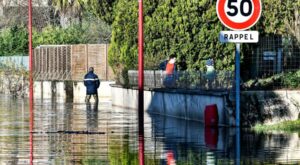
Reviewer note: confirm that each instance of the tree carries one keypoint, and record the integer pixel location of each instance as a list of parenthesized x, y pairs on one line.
[(70, 11), (123, 48), (104, 9), (281, 17)]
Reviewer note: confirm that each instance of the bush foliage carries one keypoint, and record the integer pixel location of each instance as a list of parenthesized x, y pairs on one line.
[(290, 80), (14, 40), (188, 29)]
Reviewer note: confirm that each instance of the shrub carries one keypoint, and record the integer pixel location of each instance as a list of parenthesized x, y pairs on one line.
[(188, 29)]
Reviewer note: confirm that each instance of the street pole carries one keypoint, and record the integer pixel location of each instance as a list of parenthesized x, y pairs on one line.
[(141, 84), (237, 99), (30, 78), (237, 84), (237, 146)]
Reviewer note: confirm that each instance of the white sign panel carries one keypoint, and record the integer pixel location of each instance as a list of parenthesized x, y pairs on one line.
[(238, 36), (269, 55)]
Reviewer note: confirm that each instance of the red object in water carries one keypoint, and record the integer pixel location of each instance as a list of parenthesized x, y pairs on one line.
[(170, 158), (211, 137), (211, 117)]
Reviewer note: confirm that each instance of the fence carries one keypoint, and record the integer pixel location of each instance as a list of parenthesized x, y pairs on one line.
[(273, 55), (15, 61), (52, 62), (70, 62), (222, 80), (272, 63)]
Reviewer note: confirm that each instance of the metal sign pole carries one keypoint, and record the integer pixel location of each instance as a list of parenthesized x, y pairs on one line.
[(237, 99), (237, 84), (238, 146)]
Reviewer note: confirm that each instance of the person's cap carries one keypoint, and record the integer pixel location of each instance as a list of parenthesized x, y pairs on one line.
[(210, 62), (91, 69)]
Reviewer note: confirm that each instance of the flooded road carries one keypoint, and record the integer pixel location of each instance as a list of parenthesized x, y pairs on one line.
[(66, 133)]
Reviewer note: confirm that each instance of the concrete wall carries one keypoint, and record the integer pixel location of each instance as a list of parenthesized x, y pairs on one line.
[(269, 107), (63, 90), (265, 107), (59, 90), (104, 91), (176, 104)]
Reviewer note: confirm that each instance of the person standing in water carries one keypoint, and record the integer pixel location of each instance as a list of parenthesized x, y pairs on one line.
[(92, 83)]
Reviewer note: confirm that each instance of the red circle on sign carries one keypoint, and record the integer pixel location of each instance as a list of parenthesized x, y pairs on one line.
[(236, 25)]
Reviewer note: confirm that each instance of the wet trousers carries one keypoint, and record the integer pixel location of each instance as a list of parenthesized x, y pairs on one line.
[(88, 97)]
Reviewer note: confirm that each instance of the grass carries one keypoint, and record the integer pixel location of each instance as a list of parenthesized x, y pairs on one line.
[(287, 126)]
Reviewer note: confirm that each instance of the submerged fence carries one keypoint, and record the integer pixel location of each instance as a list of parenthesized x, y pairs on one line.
[(221, 80)]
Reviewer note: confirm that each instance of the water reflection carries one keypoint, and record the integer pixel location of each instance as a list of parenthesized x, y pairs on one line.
[(31, 123), (195, 144), (92, 117), (83, 134)]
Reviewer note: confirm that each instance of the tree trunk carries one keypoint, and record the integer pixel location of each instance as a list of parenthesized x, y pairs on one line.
[(68, 18)]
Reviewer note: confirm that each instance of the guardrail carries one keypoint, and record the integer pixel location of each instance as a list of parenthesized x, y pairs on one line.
[(221, 80)]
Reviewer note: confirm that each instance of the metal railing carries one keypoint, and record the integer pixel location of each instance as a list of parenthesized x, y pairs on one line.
[(221, 80)]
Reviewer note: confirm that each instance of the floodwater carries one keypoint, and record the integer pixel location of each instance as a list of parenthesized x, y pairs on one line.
[(88, 134)]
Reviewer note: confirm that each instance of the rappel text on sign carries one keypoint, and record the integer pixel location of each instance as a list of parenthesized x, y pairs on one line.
[(238, 36)]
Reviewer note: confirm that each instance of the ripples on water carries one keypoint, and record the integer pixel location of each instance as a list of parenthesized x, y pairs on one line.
[(89, 134)]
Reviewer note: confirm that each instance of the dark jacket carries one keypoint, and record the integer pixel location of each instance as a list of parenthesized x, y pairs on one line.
[(92, 83)]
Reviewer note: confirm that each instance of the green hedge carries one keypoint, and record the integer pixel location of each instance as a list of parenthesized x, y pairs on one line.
[(14, 40), (188, 29), (185, 28)]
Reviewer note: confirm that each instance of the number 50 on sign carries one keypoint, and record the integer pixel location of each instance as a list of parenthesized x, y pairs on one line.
[(239, 14)]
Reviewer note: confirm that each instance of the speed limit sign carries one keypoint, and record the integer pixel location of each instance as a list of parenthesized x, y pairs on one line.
[(239, 14)]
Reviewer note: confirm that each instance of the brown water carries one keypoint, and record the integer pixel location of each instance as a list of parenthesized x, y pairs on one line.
[(87, 134)]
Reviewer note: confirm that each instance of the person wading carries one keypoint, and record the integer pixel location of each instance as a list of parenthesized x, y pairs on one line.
[(92, 83)]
